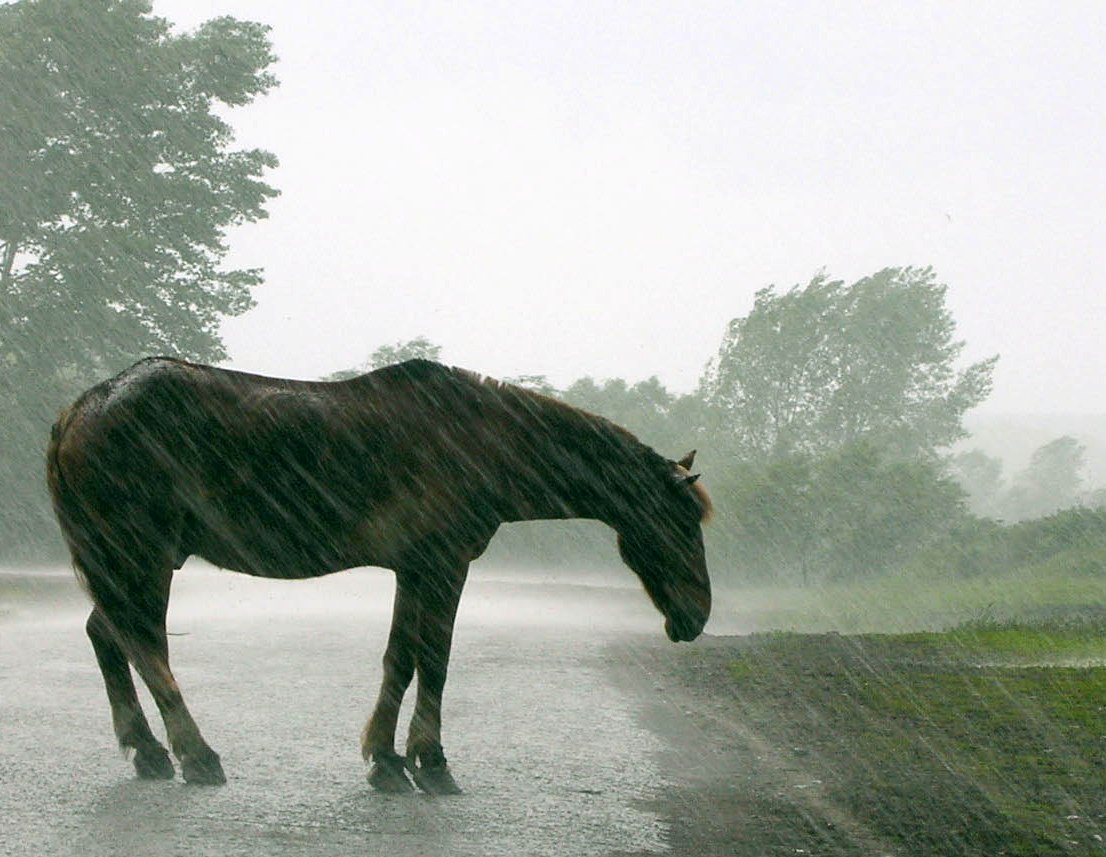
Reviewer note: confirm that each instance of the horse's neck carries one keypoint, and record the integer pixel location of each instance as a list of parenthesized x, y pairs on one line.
[(585, 469)]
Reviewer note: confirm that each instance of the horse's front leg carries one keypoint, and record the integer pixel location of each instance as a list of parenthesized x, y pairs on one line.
[(425, 758), (387, 773)]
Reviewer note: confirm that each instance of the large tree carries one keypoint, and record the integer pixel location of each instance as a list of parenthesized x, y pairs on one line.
[(818, 368), (850, 513), (118, 182), (1052, 481), (669, 422), (980, 475)]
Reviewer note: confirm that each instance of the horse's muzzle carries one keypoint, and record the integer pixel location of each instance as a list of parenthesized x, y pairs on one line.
[(687, 614), (682, 630)]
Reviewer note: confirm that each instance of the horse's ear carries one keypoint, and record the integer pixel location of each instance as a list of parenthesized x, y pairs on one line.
[(687, 460), (692, 479)]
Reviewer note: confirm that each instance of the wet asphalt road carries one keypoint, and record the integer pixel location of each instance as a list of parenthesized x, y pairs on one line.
[(545, 739)]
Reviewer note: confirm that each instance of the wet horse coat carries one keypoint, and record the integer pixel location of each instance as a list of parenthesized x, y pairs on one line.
[(412, 467)]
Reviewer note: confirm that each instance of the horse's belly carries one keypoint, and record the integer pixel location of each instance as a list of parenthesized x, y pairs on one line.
[(265, 560), (295, 541), (263, 550), (295, 553)]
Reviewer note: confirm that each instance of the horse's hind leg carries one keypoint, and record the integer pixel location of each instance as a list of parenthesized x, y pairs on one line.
[(134, 605), (151, 759)]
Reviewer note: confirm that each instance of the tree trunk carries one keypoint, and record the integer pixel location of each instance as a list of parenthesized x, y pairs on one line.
[(7, 266)]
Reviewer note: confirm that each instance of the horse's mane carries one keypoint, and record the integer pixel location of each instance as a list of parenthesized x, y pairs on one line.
[(580, 419), (703, 496), (553, 407)]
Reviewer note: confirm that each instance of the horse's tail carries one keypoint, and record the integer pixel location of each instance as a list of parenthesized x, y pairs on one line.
[(55, 481), (68, 508)]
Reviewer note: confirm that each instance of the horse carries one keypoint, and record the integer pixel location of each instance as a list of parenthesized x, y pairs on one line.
[(411, 467)]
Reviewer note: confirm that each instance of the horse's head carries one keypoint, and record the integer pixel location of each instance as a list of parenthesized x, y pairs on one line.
[(663, 544)]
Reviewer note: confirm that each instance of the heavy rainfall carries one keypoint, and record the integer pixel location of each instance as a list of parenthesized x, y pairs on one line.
[(712, 392)]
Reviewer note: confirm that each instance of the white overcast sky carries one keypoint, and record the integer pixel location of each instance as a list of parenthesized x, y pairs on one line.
[(596, 188)]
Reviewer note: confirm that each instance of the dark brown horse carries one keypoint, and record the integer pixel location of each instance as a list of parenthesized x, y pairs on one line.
[(412, 467)]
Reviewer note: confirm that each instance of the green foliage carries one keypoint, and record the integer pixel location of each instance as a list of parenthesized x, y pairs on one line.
[(834, 402), (1052, 481), (117, 187), (118, 182), (980, 476), (853, 513), (668, 422), (818, 368), (1071, 541), (387, 355)]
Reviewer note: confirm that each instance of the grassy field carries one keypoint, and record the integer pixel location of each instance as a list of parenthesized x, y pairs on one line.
[(943, 742), (945, 714), (910, 602), (948, 715)]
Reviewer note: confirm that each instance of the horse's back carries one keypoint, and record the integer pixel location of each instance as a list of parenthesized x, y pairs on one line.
[(271, 476)]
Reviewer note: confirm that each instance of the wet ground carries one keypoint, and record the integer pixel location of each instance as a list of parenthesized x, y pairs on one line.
[(574, 726), (548, 716)]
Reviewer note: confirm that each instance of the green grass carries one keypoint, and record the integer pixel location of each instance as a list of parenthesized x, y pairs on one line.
[(946, 742), (1024, 743), (1070, 642), (907, 602)]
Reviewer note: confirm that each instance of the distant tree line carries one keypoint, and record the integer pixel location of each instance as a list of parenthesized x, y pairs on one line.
[(1050, 482)]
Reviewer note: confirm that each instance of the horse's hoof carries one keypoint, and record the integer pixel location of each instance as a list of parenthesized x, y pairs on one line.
[(387, 774), (153, 764), (431, 773), (436, 781), (202, 769)]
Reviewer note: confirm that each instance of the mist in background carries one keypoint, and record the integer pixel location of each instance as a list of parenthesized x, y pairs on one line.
[(598, 189)]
